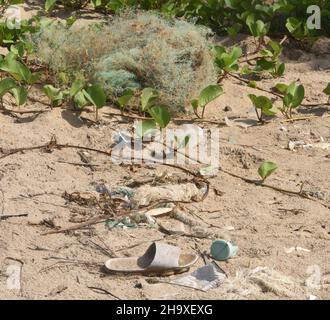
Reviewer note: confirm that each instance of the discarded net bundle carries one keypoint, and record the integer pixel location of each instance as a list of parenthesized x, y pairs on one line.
[(134, 50)]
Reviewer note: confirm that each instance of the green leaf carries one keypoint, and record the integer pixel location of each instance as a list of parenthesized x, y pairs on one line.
[(55, 95), (219, 50), (115, 5), (261, 102), (281, 87), (295, 94), (77, 86), (266, 169), (18, 49), (34, 77), (232, 4), (236, 53), (96, 95), (6, 85), (70, 21), (125, 98), (257, 27), (276, 47), (16, 69), (293, 25), (194, 104), (227, 61), (279, 70), (251, 23), (298, 28), (63, 78), (246, 70), (261, 28), (80, 100), (52, 92), (234, 29), (96, 3), (20, 94), (160, 115), (209, 94), (268, 112), (148, 98), (49, 5), (299, 95), (145, 126), (327, 89), (264, 65), (252, 84)]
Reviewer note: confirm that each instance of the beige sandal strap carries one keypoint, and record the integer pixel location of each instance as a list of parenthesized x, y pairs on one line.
[(160, 256)]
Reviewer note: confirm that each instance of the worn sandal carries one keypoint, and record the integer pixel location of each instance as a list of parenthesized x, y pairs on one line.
[(158, 259)]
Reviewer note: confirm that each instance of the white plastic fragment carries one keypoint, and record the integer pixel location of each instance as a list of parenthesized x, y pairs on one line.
[(292, 249), (156, 212)]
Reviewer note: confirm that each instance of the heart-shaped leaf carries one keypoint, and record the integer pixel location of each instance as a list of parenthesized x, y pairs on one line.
[(279, 70), (194, 104), (6, 85), (144, 127), (80, 100), (96, 95), (295, 94), (252, 84), (16, 69), (227, 61), (55, 95), (76, 86), (293, 25), (160, 115), (261, 102), (264, 65), (20, 95), (281, 87), (327, 89), (209, 94), (274, 49), (52, 93), (49, 5), (257, 27), (148, 98), (125, 98), (266, 169)]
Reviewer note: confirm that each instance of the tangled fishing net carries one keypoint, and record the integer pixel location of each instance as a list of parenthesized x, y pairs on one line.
[(250, 283), (133, 50)]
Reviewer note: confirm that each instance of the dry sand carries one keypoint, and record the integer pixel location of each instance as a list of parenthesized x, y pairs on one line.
[(263, 222)]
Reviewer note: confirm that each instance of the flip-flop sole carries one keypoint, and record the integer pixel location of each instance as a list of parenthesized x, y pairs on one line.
[(166, 273), (118, 265)]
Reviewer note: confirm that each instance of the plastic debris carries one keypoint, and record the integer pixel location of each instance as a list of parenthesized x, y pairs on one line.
[(292, 249), (157, 212), (173, 192), (205, 278), (229, 228), (173, 227), (292, 145), (125, 191), (159, 259), (124, 223), (234, 123), (120, 137), (222, 250), (103, 189), (209, 171)]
